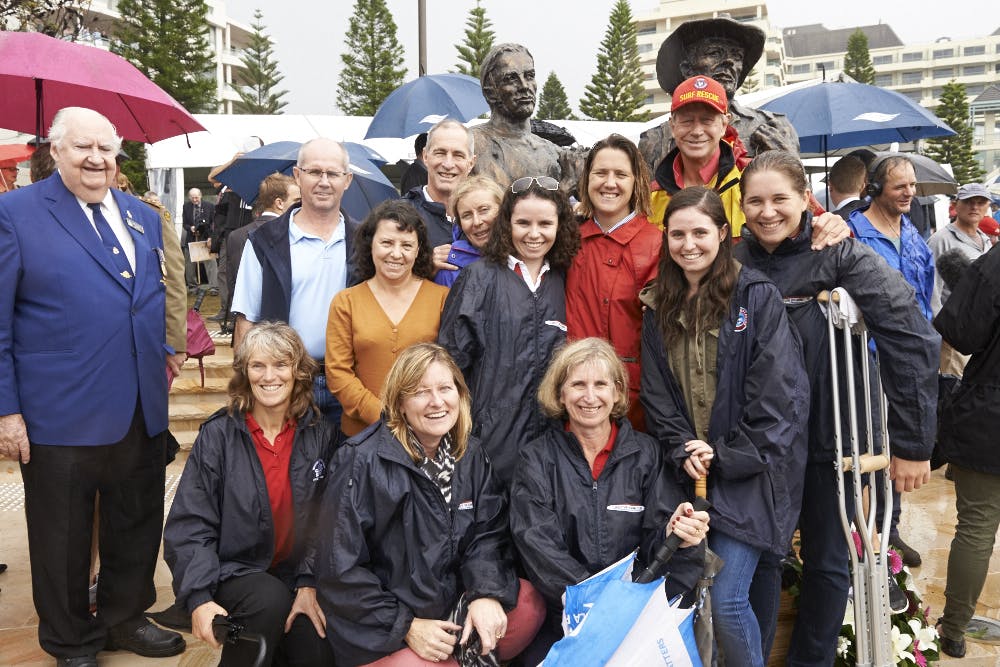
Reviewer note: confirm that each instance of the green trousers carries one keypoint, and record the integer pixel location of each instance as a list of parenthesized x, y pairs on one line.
[(977, 499)]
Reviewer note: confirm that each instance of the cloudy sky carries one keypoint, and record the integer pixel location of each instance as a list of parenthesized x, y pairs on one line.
[(563, 35)]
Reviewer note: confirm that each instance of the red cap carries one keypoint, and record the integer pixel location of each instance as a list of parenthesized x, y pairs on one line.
[(700, 89), (989, 226)]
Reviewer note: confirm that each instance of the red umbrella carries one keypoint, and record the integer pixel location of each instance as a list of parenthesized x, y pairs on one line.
[(11, 154), (40, 75)]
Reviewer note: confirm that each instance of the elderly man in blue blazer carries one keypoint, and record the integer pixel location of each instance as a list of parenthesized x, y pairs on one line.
[(83, 394)]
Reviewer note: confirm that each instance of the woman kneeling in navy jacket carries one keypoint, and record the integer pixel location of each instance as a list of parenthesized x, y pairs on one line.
[(238, 539)]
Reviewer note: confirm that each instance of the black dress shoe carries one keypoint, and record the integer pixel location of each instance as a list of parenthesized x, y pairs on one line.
[(954, 648), (218, 317), (79, 661), (147, 640), (910, 556), (898, 601)]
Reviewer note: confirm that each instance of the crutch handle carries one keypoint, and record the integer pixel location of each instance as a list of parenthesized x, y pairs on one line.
[(824, 297), (867, 463), (701, 487)]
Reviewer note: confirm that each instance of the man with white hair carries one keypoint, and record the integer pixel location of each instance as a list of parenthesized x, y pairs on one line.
[(83, 393), (293, 265)]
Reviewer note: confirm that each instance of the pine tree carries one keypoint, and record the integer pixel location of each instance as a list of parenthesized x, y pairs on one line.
[(55, 18), (955, 150), (479, 38), (167, 40), (552, 102), (373, 59), (615, 92), (751, 84), (261, 77), (857, 61)]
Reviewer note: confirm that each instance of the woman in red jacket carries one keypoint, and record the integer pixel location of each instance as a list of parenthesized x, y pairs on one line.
[(619, 251)]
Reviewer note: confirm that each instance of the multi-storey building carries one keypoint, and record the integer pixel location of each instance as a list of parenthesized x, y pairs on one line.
[(226, 38), (653, 28)]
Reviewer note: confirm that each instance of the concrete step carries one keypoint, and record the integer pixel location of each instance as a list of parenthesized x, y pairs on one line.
[(189, 416), (188, 390), (216, 365), (185, 438)]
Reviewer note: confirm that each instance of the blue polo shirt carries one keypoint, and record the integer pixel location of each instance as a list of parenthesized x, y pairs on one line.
[(319, 271)]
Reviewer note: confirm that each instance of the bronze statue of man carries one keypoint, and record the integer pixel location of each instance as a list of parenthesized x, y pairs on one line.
[(726, 51), (505, 147)]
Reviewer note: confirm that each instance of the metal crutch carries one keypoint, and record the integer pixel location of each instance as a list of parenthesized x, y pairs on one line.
[(869, 572)]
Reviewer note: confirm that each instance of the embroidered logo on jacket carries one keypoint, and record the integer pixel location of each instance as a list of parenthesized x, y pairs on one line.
[(627, 508), (318, 470), (741, 320), (466, 505)]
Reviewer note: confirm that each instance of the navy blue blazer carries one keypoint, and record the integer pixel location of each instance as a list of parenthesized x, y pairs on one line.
[(77, 346)]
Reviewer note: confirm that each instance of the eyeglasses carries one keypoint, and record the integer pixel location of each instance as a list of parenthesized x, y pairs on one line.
[(318, 174), (544, 182)]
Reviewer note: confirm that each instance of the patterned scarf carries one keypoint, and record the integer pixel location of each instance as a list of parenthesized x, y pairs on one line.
[(440, 468)]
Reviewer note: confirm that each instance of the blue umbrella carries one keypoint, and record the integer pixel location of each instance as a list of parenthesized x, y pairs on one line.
[(832, 115), (369, 187), (416, 106)]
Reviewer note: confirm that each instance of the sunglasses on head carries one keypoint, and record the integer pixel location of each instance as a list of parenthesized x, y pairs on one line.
[(544, 182)]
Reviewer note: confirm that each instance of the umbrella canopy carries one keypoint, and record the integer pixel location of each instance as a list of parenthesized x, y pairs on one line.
[(40, 75), (932, 179), (416, 106), (369, 187), (11, 154), (834, 115)]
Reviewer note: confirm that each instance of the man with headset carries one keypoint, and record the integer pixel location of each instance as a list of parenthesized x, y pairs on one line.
[(884, 224)]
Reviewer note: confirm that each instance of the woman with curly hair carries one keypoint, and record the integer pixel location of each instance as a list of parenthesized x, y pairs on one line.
[(394, 305), (725, 389), (239, 539), (506, 314)]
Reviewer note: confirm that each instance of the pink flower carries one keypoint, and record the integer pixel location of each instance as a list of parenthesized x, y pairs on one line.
[(857, 542), (919, 658), (895, 562)]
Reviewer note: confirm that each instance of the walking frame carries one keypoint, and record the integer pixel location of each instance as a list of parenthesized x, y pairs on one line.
[(869, 571)]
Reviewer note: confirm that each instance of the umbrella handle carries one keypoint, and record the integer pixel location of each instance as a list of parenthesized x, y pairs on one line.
[(667, 549), (701, 487)]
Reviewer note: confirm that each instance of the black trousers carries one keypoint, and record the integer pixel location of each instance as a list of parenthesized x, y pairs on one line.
[(261, 602), (60, 485)]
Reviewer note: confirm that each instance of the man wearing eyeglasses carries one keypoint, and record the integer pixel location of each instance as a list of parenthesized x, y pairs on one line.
[(294, 265)]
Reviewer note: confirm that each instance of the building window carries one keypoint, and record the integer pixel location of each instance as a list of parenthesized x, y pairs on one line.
[(882, 60), (913, 56), (801, 69), (944, 53), (645, 48), (646, 30), (648, 100), (972, 91), (974, 70), (773, 62), (883, 80), (914, 95), (771, 80), (912, 77), (944, 72), (974, 50), (828, 65)]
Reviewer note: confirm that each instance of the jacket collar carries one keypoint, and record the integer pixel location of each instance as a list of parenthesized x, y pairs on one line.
[(623, 235), (664, 175)]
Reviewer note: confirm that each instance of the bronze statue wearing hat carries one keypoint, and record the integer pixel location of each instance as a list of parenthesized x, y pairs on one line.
[(725, 50)]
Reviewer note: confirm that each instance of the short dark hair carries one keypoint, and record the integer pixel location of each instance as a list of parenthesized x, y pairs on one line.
[(501, 244), (407, 220), (848, 175), (419, 143), (42, 164)]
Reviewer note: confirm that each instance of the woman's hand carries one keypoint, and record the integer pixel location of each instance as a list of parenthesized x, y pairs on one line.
[(432, 639), (829, 229), (305, 603), (699, 458), (688, 525), (488, 618), (201, 622)]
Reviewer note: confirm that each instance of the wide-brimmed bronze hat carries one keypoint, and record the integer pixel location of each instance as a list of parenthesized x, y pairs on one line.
[(672, 51)]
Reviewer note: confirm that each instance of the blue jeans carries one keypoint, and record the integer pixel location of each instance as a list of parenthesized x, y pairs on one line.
[(327, 403), (737, 631), (825, 572), (765, 598)]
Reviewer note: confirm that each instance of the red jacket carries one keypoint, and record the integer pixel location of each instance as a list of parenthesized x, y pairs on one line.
[(602, 292)]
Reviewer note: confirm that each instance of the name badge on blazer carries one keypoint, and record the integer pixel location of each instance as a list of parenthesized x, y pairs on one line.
[(132, 223)]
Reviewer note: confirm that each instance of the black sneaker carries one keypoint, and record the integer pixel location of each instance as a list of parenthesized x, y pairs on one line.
[(910, 556), (898, 602), (952, 647)]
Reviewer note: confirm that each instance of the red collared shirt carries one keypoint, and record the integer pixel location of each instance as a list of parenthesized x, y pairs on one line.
[(602, 456), (275, 459), (707, 173)]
